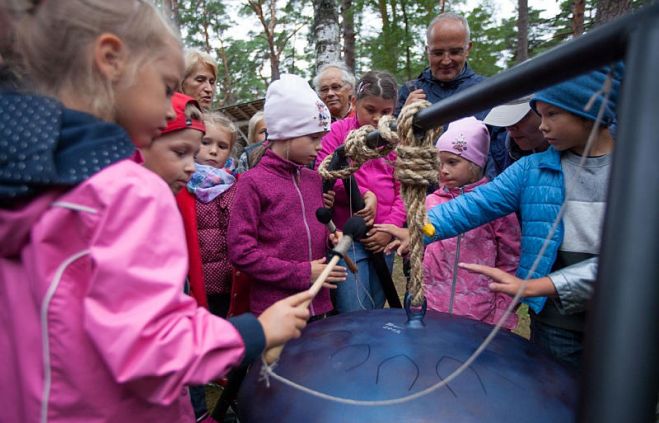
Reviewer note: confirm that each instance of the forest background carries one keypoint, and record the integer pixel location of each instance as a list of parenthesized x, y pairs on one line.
[(254, 41)]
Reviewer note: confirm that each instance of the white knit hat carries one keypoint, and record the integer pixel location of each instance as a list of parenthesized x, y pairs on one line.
[(292, 109)]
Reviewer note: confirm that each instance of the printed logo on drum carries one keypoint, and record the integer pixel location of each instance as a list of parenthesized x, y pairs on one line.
[(392, 327)]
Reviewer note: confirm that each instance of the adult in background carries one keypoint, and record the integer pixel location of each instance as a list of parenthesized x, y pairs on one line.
[(335, 85), (199, 78), (523, 128), (448, 44)]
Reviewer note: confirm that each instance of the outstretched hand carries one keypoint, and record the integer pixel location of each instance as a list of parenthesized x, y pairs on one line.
[(509, 284), (285, 319), (400, 241)]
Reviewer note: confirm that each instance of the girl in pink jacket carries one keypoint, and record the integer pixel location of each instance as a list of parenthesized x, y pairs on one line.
[(95, 324), (376, 96), (463, 151)]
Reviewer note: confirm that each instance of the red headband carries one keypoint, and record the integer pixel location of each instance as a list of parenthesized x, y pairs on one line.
[(181, 121)]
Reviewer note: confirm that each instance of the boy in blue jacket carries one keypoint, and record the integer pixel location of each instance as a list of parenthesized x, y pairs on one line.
[(536, 187)]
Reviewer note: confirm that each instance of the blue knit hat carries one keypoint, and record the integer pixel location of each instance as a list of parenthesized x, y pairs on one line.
[(573, 95)]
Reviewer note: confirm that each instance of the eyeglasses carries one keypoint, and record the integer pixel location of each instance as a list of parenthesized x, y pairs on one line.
[(334, 87), (452, 52)]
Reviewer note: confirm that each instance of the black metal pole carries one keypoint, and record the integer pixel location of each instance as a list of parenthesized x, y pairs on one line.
[(622, 350)]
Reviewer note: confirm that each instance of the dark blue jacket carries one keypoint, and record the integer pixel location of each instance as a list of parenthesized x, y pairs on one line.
[(533, 186), (437, 90)]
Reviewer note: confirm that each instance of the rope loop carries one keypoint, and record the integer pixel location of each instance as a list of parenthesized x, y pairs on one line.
[(417, 167)]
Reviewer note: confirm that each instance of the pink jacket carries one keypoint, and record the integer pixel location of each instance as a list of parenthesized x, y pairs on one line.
[(376, 176), (494, 244), (95, 324)]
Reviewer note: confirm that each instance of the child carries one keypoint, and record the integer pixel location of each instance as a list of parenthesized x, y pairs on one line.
[(171, 155), (256, 135), (535, 186), (205, 206), (376, 96), (96, 326), (463, 150), (274, 236)]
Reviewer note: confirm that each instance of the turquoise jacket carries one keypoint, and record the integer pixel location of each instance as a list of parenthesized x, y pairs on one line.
[(532, 187)]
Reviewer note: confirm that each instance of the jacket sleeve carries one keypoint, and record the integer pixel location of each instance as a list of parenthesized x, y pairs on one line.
[(244, 251), (398, 214), (152, 337), (490, 201), (403, 93), (507, 234), (574, 285)]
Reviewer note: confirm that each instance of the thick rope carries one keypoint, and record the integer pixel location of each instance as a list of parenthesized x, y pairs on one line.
[(416, 168), (267, 371), (358, 152)]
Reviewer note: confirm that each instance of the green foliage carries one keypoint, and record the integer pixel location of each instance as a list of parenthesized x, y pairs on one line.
[(489, 50)]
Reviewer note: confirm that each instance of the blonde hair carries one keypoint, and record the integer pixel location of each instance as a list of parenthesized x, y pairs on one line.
[(54, 42), (194, 58), (251, 127), (218, 119)]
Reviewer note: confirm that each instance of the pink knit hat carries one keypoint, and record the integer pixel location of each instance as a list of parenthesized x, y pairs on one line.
[(467, 138)]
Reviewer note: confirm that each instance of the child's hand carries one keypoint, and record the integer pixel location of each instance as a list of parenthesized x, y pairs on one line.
[(376, 241), (335, 238), (338, 273), (510, 284), (328, 199), (371, 205), (285, 319), (401, 241)]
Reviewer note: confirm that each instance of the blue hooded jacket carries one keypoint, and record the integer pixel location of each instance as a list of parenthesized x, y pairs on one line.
[(533, 186)]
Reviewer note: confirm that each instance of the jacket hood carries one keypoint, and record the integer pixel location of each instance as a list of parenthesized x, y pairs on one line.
[(45, 145), (16, 222), (454, 192)]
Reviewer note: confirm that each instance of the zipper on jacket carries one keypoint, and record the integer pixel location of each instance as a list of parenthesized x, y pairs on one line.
[(455, 266), (306, 224)]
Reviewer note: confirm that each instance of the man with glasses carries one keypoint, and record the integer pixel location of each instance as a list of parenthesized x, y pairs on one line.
[(448, 47), (335, 85)]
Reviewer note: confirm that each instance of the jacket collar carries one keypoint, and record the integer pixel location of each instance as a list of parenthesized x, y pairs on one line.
[(52, 146), (279, 166), (549, 159), (466, 73), (453, 192)]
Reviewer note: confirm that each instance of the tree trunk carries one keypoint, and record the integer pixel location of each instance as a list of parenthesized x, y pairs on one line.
[(578, 10), (269, 32), (610, 9), (442, 6), (522, 31), (326, 32), (348, 29), (408, 37), (227, 83)]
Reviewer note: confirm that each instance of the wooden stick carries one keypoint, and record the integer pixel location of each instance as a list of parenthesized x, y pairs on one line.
[(272, 354)]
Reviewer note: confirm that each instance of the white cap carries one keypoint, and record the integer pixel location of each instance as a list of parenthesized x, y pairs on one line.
[(292, 109), (508, 114)]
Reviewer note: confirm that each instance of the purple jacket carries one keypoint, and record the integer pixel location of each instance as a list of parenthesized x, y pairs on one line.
[(376, 176), (274, 234), (494, 244)]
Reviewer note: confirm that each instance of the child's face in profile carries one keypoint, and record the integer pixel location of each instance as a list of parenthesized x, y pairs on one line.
[(216, 146), (562, 129), (303, 150), (371, 108), (454, 171), (172, 157), (144, 105)]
